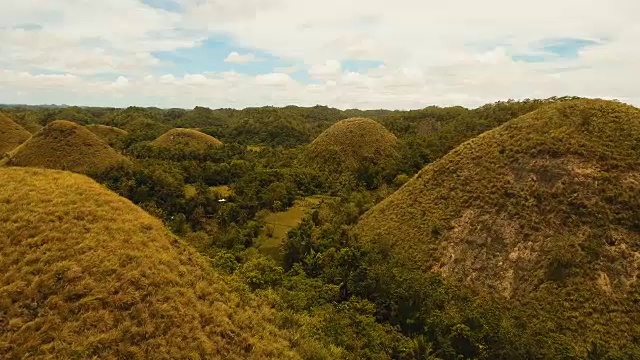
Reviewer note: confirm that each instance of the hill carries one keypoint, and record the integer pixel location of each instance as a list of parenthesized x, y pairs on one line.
[(66, 146), (11, 134), (108, 134), (542, 213), (87, 274), (186, 138), (350, 144), (31, 127)]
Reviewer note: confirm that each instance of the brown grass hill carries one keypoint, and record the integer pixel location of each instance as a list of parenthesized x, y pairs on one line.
[(65, 145), (186, 138), (88, 275), (109, 134), (11, 134), (542, 212), (31, 127), (349, 144), (29, 123)]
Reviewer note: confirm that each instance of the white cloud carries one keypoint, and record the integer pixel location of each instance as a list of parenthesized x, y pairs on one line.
[(457, 52), (167, 79), (327, 70), (288, 69), (121, 82), (195, 79), (274, 79), (236, 58)]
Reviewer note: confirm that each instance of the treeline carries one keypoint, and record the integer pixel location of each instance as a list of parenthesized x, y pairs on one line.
[(438, 129)]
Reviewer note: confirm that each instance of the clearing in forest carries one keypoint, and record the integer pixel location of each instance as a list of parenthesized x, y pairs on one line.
[(277, 224)]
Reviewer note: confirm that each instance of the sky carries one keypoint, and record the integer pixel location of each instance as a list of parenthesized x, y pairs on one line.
[(367, 54)]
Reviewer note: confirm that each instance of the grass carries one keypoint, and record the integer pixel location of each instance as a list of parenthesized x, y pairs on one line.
[(278, 224), (31, 127), (542, 212), (11, 134), (187, 138), (190, 191), (87, 274), (351, 143), (256, 147), (224, 190), (29, 123), (109, 134), (68, 146)]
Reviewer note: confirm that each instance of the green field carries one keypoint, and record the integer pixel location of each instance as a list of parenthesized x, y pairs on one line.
[(255, 147), (282, 222), (223, 190)]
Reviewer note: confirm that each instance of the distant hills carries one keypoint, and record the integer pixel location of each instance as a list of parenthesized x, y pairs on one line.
[(50, 106), (353, 145), (11, 134), (66, 145), (186, 138), (109, 134)]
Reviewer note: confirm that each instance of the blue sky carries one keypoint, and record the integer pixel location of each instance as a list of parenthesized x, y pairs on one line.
[(209, 57), (168, 5), (554, 49)]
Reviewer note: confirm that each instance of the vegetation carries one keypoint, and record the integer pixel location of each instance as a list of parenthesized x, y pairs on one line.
[(66, 146), (11, 134), (111, 135), (276, 225), (187, 138), (541, 212), (86, 274), (359, 147), (516, 241)]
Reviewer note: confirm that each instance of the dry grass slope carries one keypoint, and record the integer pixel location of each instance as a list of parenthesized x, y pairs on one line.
[(11, 134), (108, 134), (65, 145), (544, 210), (349, 143), (32, 127), (187, 138), (86, 274)]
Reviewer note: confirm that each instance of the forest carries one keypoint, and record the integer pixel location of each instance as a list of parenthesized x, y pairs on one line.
[(284, 217)]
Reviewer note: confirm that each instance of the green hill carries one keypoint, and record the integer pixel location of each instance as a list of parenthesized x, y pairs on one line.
[(65, 145), (11, 134), (186, 138), (108, 134), (88, 275), (542, 213), (350, 144)]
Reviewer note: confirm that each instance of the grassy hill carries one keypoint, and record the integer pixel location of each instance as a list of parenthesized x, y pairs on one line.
[(32, 127), (87, 274), (109, 134), (66, 146), (542, 213), (349, 144), (186, 138), (11, 134)]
